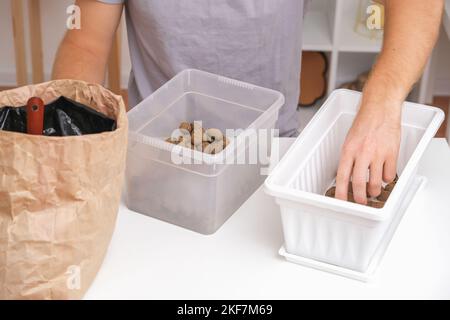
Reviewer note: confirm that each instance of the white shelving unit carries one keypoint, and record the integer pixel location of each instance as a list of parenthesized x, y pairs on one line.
[(329, 26), (317, 31)]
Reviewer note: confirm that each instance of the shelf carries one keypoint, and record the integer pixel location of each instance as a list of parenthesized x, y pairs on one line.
[(317, 32)]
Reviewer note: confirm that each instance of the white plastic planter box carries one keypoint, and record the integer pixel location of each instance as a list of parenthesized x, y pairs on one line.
[(329, 230), (202, 192)]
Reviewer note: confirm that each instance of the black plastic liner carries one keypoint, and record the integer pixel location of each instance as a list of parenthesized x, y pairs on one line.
[(63, 117)]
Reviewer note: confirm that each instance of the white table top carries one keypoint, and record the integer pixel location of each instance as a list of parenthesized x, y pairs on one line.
[(150, 259)]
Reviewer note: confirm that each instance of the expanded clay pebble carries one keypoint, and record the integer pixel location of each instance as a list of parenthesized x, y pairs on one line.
[(331, 192), (204, 145), (193, 136), (384, 195), (225, 142), (180, 136), (197, 136), (350, 198), (185, 143), (214, 147), (213, 135), (186, 126), (170, 140), (185, 140), (375, 204), (391, 185)]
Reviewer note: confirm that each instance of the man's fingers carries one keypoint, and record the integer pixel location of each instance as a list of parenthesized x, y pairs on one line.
[(359, 180), (375, 178), (343, 176), (390, 169)]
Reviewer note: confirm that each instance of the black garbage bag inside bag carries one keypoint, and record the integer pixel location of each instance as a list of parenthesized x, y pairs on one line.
[(62, 117)]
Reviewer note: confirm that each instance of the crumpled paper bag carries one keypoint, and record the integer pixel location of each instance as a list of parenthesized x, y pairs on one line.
[(59, 197)]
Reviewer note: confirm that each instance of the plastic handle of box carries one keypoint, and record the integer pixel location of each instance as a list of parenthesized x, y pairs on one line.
[(35, 116)]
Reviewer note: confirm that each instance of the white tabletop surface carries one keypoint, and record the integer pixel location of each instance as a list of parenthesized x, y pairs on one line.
[(150, 259)]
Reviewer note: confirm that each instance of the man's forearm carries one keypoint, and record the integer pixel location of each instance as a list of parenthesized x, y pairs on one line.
[(84, 53), (75, 62), (411, 30)]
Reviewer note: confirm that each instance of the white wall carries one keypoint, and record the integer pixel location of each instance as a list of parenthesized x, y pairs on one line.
[(53, 16)]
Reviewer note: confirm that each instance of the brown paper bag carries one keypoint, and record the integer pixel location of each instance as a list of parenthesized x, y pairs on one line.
[(59, 197)]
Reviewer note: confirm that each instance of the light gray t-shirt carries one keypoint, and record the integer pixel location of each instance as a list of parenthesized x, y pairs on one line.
[(256, 41)]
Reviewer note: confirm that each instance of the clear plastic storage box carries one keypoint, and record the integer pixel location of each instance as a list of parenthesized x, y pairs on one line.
[(329, 230), (186, 187)]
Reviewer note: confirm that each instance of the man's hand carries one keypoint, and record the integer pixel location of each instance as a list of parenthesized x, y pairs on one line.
[(371, 148), (370, 152)]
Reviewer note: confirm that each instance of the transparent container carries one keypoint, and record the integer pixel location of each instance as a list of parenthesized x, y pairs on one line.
[(186, 187), (326, 229)]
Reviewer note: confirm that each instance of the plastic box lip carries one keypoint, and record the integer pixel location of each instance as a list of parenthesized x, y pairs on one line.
[(194, 155), (302, 197)]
